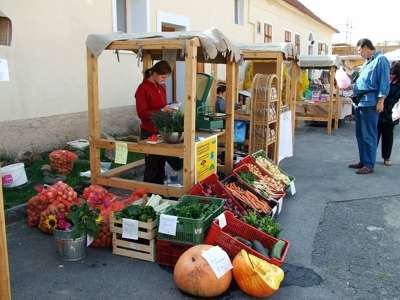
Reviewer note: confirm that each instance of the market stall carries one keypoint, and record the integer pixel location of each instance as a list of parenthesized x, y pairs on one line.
[(321, 100), (269, 59), (192, 47)]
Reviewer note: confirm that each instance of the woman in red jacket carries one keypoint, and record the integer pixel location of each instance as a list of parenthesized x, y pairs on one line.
[(151, 97)]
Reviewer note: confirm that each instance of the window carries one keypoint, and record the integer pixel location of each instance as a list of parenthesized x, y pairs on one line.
[(267, 33), (258, 27), (239, 12), (310, 44), (119, 15), (322, 49), (297, 43), (288, 36)]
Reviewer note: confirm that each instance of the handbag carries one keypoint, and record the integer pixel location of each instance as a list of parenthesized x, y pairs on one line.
[(396, 111)]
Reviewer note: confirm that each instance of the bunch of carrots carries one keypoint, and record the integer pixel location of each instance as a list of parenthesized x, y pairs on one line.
[(248, 198)]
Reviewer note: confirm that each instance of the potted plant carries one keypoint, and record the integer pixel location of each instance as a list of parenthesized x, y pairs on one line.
[(170, 124), (72, 230)]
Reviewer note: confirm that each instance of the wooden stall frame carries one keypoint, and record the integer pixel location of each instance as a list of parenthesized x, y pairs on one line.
[(330, 115), (151, 49), (5, 289)]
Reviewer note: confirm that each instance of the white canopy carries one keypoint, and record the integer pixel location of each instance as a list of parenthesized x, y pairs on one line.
[(286, 48), (393, 55), (319, 61)]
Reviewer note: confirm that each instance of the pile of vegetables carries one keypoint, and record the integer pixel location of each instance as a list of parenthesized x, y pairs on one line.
[(230, 204), (137, 212), (51, 200), (273, 184), (193, 210), (62, 161), (273, 170), (264, 223), (248, 198)]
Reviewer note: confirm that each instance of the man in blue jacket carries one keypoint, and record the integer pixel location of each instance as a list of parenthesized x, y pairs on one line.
[(370, 90)]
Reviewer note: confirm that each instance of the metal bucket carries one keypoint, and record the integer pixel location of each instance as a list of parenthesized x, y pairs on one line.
[(70, 249)]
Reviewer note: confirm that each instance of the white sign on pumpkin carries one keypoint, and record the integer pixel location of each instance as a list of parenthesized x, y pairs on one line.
[(168, 224), (130, 229), (218, 260)]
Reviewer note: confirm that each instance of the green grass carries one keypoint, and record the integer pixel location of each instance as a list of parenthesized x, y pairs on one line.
[(19, 195)]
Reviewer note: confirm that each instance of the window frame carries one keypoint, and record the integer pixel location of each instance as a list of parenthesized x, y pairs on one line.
[(287, 36), (297, 46), (239, 15), (265, 33), (115, 16)]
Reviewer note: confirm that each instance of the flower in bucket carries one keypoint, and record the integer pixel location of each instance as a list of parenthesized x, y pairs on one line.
[(80, 220)]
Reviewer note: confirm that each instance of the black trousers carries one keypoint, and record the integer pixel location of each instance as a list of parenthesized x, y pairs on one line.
[(385, 129), (154, 171)]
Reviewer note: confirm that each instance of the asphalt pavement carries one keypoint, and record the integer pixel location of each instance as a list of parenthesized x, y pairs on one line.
[(343, 229)]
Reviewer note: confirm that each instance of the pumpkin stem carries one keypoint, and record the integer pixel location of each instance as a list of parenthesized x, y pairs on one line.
[(193, 259)]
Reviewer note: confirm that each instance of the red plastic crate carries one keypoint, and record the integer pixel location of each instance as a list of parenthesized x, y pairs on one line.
[(235, 227), (197, 190), (169, 252)]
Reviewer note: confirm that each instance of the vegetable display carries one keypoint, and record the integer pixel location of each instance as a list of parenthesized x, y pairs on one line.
[(248, 198), (193, 210), (137, 212), (273, 170), (264, 223), (62, 161), (270, 181)]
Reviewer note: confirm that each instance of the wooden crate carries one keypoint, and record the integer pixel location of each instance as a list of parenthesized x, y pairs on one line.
[(144, 248)]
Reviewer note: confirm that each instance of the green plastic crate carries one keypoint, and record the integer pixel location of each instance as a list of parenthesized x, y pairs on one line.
[(192, 230), (264, 154)]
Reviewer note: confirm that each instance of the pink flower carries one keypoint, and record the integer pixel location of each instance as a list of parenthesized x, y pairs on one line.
[(63, 223)]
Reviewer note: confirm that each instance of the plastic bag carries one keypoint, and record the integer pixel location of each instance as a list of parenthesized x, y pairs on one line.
[(396, 111), (342, 79), (240, 132)]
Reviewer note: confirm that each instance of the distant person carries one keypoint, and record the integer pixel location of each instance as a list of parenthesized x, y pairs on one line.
[(385, 123), (220, 103), (370, 90)]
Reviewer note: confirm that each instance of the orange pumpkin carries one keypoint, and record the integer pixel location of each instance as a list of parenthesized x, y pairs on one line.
[(255, 276), (193, 275)]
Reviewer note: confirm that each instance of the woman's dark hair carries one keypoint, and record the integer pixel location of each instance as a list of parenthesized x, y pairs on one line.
[(365, 43), (161, 68), (221, 89), (395, 70)]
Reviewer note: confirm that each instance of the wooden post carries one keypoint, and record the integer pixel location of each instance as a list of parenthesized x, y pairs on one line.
[(147, 61), (93, 114), (330, 103), (190, 116), (231, 82), (5, 290), (293, 84), (200, 67), (213, 93), (338, 106)]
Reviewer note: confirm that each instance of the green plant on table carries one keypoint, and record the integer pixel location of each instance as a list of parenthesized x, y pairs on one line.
[(137, 212), (193, 210), (266, 223), (168, 121)]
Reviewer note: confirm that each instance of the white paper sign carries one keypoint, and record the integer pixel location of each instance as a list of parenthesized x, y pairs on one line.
[(280, 204), (130, 229), (168, 224), (218, 260), (4, 76), (89, 240), (221, 220), (292, 188)]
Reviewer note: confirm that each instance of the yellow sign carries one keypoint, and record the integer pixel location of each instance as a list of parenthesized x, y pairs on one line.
[(206, 158), (121, 153)]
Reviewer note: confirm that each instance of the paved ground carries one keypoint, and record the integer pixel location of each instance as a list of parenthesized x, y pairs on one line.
[(343, 228)]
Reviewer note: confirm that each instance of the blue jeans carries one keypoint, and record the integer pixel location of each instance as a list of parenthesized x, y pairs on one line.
[(367, 134)]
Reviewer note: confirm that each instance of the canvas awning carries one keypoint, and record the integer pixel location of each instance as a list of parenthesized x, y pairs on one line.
[(5, 29), (286, 48), (213, 42), (393, 55), (319, 61)]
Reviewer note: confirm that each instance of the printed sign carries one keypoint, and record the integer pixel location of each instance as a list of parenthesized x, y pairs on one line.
[(205, 158)]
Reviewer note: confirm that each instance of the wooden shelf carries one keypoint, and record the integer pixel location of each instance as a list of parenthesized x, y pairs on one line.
[(242, 117), (207, 134)]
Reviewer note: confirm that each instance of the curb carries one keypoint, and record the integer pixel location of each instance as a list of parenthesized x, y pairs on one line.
[(15, 214)]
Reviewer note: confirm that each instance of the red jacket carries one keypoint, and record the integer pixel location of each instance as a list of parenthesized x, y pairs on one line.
[(150, 97)]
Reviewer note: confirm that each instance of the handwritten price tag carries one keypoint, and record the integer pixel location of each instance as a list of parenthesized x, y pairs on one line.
[(121, 153), (218, 260), (130, 229), (89, 240), (292, 188), (221, 220), (168, 224)]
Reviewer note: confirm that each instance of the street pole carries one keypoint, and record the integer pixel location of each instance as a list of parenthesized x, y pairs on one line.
[(5, 290)]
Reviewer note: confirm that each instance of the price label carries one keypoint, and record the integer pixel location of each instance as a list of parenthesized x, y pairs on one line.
[(292, 188), (89, 240), (168, 224), (222, 220), (218, 260), (121, 153), (280, 204), (130, 229)]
